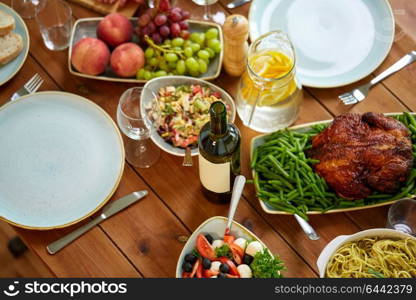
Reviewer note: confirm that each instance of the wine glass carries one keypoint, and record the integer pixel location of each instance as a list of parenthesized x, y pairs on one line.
[(207, 7), (27, 8), (402, 216), (138, 124)]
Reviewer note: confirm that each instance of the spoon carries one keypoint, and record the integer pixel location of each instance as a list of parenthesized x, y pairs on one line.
[(238, 188), (307, 228)]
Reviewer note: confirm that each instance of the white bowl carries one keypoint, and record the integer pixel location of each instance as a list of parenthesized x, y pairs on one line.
[(341, 240), (156, 84), (215, 226)]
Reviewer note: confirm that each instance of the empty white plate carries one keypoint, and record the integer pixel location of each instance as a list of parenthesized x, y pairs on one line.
[(336, 42), (61, 159)]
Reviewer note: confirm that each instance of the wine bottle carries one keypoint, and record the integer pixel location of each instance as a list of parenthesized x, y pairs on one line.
[(219, 155)]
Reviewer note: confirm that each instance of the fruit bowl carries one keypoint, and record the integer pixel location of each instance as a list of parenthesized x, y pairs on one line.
[(214, 226), (154, 85), (87, 28)]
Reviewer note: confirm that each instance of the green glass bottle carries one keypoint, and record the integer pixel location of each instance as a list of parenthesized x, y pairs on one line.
[(219, 155)]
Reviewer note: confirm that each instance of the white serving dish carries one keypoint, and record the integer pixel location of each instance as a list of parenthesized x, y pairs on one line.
[(258, 140), (61, 160), (216, 227), (337, 242), (156, 84), (87, 28)]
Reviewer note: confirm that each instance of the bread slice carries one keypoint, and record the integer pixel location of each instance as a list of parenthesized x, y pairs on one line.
[(6, 23), (10, 47)]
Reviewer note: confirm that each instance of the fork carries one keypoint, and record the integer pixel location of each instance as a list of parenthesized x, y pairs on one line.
[(359, 94), (29, 87), (187, 160)]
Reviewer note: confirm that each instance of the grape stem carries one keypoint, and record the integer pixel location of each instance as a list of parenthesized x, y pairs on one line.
[(152, 44)]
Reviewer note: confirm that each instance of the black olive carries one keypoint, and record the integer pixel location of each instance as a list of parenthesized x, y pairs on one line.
[(224, 268), (206, 263), (221, 275), (190, 258), (247, 259), (187, 267), (209, 238)]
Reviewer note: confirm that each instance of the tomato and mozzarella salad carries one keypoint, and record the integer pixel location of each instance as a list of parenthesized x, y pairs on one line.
[(230, 257)]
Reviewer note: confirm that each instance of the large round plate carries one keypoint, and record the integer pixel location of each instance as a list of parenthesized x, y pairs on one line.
[(61, 159), (10, 69), (336, 42)]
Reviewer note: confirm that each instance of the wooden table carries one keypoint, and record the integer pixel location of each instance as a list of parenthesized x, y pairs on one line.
[(146, 239)]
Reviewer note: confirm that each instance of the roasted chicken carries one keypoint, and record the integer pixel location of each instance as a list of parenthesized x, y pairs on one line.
[(359, 154)]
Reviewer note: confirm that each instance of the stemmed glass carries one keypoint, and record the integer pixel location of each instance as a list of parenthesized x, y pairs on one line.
[(207, 6), (402, 216), (138, 124)]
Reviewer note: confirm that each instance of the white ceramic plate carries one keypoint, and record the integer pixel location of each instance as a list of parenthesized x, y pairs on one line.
[(337, 242), (61, 159), (10, 69), (156, 84), (216, 227), (337, 42)]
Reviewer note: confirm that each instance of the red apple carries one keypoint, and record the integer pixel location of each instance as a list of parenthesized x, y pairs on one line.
[(90, 56), (115, 29), (126, 59)]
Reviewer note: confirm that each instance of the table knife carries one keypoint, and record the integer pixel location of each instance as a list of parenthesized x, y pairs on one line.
[(237, 3), (109, 210)]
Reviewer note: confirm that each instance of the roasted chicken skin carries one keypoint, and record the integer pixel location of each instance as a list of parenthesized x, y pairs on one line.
[(360, 154)]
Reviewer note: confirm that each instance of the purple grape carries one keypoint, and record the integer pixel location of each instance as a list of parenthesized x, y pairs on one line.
[(185, 15), (144, 20), (157, 38), (151, 26), (175, 16), (185, 34), (175, 29), (184, 25), (160, 19), (145, 31), (164, 31)]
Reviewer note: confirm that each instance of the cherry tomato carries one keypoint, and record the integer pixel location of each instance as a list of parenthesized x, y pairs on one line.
[(196, 89), (237, 252), (229, 239), (209, 273), (186, 275), (204, 247)]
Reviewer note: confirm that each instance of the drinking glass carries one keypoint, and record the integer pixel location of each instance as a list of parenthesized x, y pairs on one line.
[(137, 123), (402, 216), (27, 8), (55, 21), (207, 8)]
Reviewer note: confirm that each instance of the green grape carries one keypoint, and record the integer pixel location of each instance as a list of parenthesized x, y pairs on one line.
[(167, 42), (153, 61), (178, 42), (187, 43), (160, 73), (172, 73), (195, 47), (203, 54), (205, 60), (163, 65), (188, 51), (211, 33), (203, 66), (177, 49), (194, 73), (171, 57), (201, 39), (192, 64), (172, 65), (149, 53), (194, 37), (181, 67), (148, 67), (211, 52), (215, 45), (147, 75), (140, 73)]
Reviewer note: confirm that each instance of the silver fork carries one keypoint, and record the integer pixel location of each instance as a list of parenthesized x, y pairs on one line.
[(359, 94), (29, 87)]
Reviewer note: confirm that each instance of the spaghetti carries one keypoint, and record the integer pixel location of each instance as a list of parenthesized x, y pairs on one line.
[(374, 257)]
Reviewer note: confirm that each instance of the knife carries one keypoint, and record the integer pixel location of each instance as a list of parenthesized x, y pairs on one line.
[(108, 211), (237, 3)]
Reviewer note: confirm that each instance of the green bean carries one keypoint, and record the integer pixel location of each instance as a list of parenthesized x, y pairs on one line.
[(277, 165)]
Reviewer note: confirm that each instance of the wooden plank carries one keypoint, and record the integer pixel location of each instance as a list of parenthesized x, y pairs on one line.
[(405, 16)]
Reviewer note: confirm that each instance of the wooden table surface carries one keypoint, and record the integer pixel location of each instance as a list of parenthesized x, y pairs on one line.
[(146, 239)]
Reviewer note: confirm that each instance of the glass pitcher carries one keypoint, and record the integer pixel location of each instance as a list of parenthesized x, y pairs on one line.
[(269, 95)]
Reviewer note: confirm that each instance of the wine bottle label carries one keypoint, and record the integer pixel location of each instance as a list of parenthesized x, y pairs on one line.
[(214, 177)]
